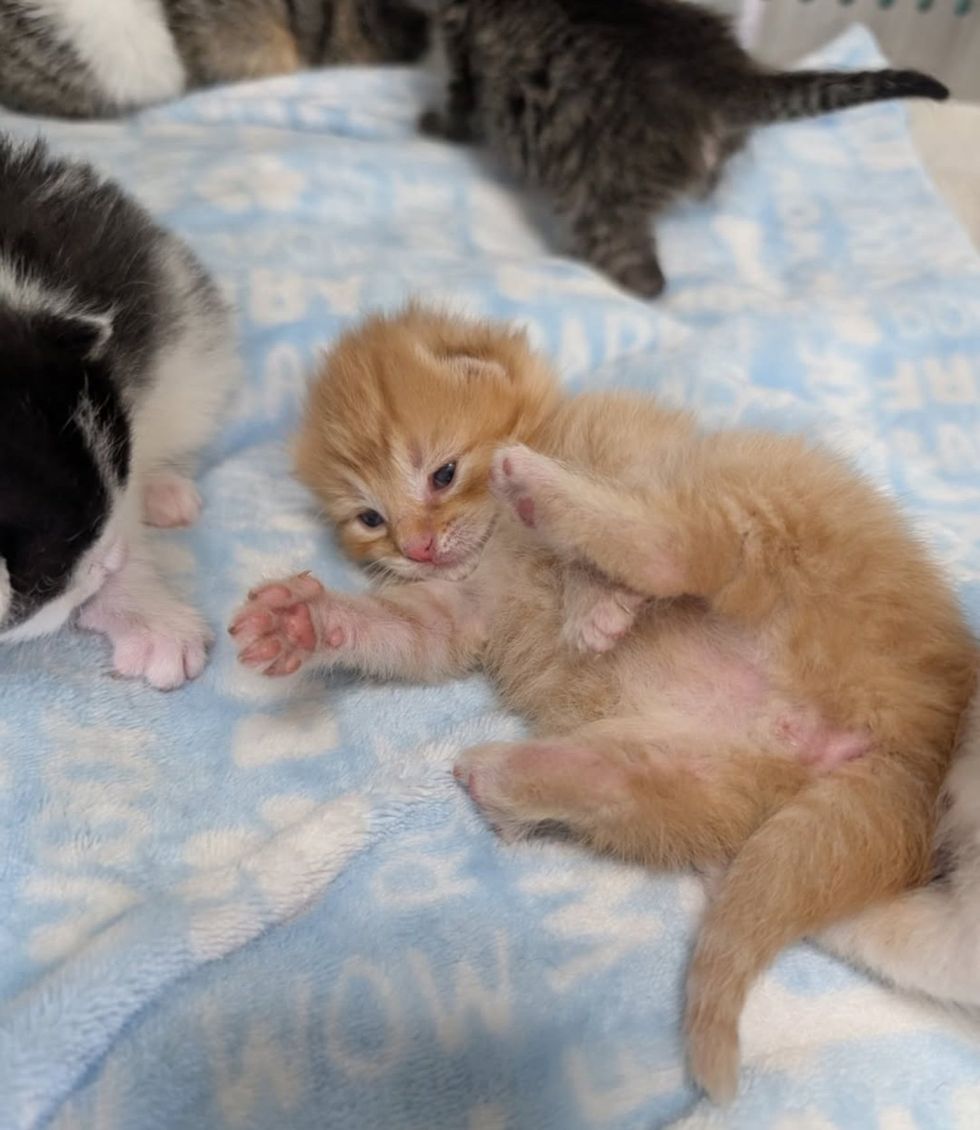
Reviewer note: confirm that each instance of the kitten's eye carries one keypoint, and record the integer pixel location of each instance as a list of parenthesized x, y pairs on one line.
[(444, 476), (371, 518)]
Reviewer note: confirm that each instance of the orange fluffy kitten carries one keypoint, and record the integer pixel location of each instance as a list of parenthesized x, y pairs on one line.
[(729, 646)]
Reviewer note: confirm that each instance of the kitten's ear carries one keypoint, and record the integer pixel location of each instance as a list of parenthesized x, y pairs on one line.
[(467, 367), (85, 334)]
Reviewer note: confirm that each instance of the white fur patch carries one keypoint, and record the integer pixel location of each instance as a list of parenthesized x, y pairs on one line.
[(125, 44)]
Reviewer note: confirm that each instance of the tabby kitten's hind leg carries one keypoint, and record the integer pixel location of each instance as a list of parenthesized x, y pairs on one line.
[(618, 240)]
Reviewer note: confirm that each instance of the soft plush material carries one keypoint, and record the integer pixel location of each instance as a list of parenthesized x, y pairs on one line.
[(249, 905)]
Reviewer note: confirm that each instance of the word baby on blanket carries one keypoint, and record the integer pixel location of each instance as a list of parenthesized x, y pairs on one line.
[(243, 904)]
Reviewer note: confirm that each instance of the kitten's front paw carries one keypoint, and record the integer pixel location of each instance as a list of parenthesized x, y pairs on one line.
[(166, 649), (284, 623), (170, 500), (601, 626)]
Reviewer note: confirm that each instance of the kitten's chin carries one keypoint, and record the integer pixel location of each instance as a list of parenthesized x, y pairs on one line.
[(406, 570)]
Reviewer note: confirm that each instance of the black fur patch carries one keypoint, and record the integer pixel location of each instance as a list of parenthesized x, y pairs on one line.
[(83, 310), (53, 496)]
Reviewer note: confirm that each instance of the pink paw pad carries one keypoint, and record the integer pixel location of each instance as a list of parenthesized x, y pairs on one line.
[(276, 632), (525, 511)]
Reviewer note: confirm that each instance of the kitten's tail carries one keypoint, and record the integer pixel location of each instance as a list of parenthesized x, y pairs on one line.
[(847, 840), (764, 98)]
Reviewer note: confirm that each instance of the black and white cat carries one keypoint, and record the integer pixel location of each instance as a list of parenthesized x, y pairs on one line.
[(116, 358)]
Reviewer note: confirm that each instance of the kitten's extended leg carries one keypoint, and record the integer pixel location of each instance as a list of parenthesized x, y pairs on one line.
[(154, 635), (661, 547), (619, 241), (428, 630), (641, 788), (596, 613)]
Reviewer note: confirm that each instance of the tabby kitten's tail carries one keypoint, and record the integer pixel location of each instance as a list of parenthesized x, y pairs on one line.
[(763, 97)]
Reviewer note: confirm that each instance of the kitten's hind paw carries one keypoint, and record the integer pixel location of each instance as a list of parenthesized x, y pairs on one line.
[(601, 625), (522, 479)]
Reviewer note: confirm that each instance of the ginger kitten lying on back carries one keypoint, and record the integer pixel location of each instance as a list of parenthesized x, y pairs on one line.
[(729, 647)]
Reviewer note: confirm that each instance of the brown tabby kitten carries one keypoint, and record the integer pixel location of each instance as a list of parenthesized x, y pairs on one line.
[(729, 648), (617, 107)]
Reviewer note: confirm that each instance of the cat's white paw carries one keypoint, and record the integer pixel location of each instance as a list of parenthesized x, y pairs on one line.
[(166, 648), (165, 659), (170, 500)]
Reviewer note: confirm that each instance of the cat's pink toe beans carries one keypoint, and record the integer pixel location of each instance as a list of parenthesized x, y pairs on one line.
[(281, 594), (276, 631)]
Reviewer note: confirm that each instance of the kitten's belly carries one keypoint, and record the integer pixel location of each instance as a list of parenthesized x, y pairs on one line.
[(691, 676), (725, 684)]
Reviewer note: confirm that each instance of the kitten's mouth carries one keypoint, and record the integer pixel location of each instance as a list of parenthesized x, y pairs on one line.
[(453, 567)]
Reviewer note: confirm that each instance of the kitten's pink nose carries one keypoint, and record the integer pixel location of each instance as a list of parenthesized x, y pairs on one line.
[(421, 548)]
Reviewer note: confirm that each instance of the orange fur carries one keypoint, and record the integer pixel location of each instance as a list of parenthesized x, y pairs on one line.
[(729, 646)]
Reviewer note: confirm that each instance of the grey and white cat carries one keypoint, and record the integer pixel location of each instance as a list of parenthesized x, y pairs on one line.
[(116, 357), (72, 58), (617, 107), (928, 940)]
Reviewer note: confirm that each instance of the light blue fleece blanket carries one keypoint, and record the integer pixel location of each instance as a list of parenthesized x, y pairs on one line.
[(248, 905)]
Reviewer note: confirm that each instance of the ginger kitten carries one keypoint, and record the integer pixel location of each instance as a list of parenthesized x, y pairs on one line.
[(728, 646)]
